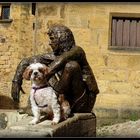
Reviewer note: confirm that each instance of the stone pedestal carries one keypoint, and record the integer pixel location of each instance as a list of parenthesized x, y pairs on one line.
[(80, 125)]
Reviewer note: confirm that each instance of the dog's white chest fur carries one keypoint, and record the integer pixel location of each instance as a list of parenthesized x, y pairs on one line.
[(43, 97)]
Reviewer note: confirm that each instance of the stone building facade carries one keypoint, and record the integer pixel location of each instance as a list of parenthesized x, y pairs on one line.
[(117, 70)]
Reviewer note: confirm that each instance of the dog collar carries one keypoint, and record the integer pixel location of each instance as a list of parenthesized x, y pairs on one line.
[(36, 88)]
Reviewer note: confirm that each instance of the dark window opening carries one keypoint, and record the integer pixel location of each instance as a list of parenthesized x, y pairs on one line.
[(5, 13), (125, 33), (33, 8)]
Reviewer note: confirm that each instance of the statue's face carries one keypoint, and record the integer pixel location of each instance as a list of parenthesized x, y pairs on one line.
[(54, 41)]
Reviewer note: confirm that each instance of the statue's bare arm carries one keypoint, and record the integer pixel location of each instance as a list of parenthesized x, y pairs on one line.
[(75, 54)]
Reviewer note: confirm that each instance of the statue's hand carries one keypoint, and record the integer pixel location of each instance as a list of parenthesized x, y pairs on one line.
[(15, 91), (49, 74)]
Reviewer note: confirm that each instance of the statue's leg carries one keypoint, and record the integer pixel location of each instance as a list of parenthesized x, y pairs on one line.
[(72, 86)]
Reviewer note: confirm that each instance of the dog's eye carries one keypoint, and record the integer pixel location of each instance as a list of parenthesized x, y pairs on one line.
[(30, 72), (41, 70)]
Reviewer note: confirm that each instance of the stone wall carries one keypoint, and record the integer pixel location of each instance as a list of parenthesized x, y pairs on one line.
[(16, 42), (117, 72)]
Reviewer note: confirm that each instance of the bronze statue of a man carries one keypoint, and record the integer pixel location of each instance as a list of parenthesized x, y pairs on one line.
[(70, 73)]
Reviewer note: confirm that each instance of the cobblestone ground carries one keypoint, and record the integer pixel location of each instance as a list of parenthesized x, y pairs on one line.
[(126, 129)]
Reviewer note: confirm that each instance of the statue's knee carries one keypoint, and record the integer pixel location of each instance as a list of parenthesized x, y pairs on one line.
[(72, 65)]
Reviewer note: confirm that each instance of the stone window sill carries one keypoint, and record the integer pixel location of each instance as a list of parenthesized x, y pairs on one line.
[(131, 48), (6, 20)]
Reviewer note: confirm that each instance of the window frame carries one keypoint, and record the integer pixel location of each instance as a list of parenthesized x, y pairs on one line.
[(121, 15)]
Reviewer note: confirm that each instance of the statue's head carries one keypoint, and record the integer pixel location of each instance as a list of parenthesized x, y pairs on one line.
[(61, 38)]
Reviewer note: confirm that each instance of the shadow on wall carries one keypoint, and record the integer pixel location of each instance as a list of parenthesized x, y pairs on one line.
[(7, 103)]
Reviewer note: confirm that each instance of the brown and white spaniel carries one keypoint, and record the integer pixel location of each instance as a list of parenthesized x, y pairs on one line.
[(43, 97)]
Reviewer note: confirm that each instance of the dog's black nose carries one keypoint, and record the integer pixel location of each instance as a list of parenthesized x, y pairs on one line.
[(35, 73)]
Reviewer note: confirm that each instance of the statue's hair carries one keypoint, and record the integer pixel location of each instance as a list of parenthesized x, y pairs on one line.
[(64, 35)]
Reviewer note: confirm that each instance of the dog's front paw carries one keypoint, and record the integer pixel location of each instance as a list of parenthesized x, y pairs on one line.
[(33, 122), (55, 121)]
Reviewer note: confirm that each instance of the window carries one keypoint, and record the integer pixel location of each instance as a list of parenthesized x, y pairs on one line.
[(5, 11), (125, 33), (33, 8)]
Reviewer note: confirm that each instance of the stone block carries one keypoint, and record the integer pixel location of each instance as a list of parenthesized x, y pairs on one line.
[(112, 100), (80, 125), (112, 74), (106, 112), (120, 87), (111, 116), (99, 21), (103, 85), (118, 61), (47, 9), (133, 62)]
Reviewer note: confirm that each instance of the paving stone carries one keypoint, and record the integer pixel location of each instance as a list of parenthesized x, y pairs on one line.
[(126, 129)]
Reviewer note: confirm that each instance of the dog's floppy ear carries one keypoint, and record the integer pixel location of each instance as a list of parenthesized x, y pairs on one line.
[(27, 73), (44, 70)]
